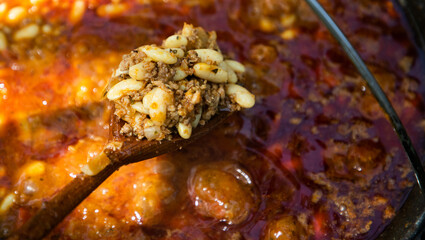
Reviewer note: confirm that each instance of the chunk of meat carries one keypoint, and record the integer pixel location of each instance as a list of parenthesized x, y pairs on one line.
[(285, 228), (220, 195), (150, 199), (355, 161)]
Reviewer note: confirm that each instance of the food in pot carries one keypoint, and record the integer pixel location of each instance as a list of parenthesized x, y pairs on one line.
[(314, 158), (178, 85)]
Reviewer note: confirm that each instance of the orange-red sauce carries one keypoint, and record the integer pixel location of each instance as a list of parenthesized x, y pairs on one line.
[(317, 146)]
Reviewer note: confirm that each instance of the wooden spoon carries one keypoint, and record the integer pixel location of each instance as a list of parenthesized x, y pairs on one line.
[(54, 210)]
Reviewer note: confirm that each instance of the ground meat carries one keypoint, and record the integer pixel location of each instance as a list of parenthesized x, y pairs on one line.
[(131, 59), (212, 99), (354, 207), (360, 160), (178, 85), (191, 59), (199, 38), (165, 72)]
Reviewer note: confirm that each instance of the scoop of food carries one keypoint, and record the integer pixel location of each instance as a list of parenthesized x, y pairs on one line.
[(155, 91), (158, 90)]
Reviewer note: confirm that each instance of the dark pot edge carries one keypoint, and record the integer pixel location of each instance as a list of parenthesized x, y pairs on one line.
[(409, 222)]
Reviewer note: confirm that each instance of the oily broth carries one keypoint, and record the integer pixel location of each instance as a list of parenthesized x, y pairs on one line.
[(316, 145)]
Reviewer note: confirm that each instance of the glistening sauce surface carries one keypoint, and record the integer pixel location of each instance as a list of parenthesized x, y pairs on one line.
[(315, 153)]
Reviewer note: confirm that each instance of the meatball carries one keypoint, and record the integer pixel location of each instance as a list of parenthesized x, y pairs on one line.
[(96, 224), (221, 195), (285, 228), (151, 196)]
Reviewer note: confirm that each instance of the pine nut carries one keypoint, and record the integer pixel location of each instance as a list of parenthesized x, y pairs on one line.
[(152, 132), (232, 77), (47, 29), (236, 66), (118, 72), (210, 72), (7, 202), (77, 11), (137, 71), (96, 164), (242, 96), (121, 88), (111, 9), (27, 32), (159, 55), (209, 56), (179, 75), (197, 119), (15, 15), (175, 41), (185, 131), (156, 101), (178, 52), (289, 34), (3, 10), (138, 106)]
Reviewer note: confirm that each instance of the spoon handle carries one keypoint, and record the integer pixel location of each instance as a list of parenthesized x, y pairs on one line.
[(57, 208)]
